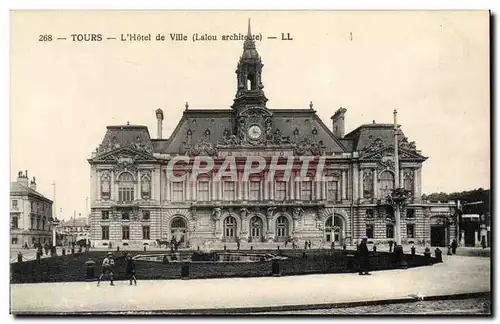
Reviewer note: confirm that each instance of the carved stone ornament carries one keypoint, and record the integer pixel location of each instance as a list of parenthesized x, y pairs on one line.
[(243, 213), (105, 185), (376, 145), (202, 147), (146, 185), (228, 139), (309, 147), (386, 164), (404, 144), (125, 163), (368, 184), (278, 138), (270, 212), (297, 213), (216, 213)]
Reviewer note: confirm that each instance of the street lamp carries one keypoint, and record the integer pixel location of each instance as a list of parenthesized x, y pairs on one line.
[(398, 196)]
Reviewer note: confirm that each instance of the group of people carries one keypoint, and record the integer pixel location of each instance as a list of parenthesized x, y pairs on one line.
[(108, 269)]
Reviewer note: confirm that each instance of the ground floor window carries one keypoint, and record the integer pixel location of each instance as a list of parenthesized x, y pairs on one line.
[(125, 232), (389, 231), (369, 231), (256, 226), (105, 232), (410, 230), (14, 240), (145, 232), (282, 228)]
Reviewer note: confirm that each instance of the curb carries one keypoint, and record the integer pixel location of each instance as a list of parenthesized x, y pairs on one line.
[(272, 309)]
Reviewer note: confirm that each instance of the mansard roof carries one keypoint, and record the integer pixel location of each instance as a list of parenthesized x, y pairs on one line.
[(363, 136), (126, 135)]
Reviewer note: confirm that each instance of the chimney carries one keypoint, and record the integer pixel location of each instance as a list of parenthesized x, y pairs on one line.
[(338, 123), (22, 179), (33, 184), (159, 118)]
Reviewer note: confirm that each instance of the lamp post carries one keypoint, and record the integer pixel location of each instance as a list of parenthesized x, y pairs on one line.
[(398, 196)]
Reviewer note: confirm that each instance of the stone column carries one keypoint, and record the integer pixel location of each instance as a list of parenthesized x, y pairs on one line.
[(401, 178), (112, 191), (97, 186), (324, 185), (317, 191), (187, 187), (240, 185), (375, 184), (417, 183), (297, 190), (344, 185), (360, 186), (166, 190), (354, 182)]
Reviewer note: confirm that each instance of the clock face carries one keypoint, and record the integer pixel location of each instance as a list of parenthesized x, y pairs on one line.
[(254, 132)]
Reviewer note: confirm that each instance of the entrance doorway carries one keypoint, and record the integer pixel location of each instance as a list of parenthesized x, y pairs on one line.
[(178, 229), (256, 229), (282, 229), (230, 229), (334, 230), (438, 235)]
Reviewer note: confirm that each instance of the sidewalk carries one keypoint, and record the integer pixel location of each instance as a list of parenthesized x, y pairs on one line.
[(457, 275)]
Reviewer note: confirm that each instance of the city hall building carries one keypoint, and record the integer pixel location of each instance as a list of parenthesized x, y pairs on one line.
[(135, 203)]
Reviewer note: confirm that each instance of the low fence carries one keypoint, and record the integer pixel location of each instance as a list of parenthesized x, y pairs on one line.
[(70, 268)]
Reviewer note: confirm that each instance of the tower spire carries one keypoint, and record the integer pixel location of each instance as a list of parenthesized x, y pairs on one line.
[(249, 34)]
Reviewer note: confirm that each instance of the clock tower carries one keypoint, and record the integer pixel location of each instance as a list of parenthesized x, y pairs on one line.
[(249, 73)]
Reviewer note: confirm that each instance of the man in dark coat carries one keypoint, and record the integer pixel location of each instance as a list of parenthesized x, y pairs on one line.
[(131, 269), (363, 255), (454, 246)]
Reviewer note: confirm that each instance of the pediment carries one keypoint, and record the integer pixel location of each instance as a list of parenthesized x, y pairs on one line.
[(125, 155), (388, 151)]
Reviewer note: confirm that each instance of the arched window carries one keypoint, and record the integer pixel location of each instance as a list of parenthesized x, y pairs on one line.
[(125, 187), (230, 229), (386, 184), (178, 229), (256, 228), (282, 228)]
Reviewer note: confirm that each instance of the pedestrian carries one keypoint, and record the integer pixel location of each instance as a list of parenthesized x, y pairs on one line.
[(238, 243), (390, 245), (131, 269), (305, 245), (310, 244), (454, 246), (107, 268), (363, 254), (333, 245)]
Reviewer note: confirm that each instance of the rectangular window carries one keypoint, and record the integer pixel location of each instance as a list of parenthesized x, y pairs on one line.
[(369, 213), (229, 190), (410, 230), (369, 231), (125, 232), (146, 215), (145, 232), (14, 240), (203, 190), (332, 191), (410, 213), (105, 232), (32, 222), (126, 194), (125, 215), (280, 190), (14, 204), (254, 190), (177, 191), (15, 222), (105, 214), (306, 192), (389, 231), (38, 223)]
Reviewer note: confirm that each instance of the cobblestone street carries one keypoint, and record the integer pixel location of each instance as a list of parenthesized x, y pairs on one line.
[(473, 306)]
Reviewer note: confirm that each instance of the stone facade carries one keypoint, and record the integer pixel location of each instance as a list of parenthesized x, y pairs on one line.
[(30, 214), (134, 201)]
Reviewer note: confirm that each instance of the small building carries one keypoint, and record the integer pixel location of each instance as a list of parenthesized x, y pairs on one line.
[(30, 213), (73, 230)]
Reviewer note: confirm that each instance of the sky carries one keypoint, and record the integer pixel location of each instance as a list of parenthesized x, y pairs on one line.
[(433, 67)]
